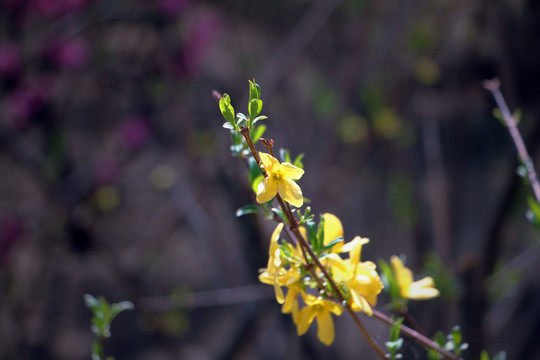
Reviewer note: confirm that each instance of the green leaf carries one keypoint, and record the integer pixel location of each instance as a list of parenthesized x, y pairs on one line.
[(280, 213), (332, 243), (395, 329), (248, 209), (298, 161), (312, 235), (484, 355), (254, 90), (285, 155), (240, 118), (320, 233), (228, 125), (226, 108), (91, 302), (96, 350), (257, 132), (255, 107), (256, 182), (258, 118), (119, 307)]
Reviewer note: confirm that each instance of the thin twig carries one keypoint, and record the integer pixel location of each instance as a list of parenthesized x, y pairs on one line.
[(423, 340), (494, 87)]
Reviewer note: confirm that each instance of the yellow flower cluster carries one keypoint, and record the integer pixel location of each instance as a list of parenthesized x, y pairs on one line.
[(287, 267)]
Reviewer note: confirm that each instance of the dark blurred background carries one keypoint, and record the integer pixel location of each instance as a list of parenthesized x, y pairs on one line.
[(116, 177)]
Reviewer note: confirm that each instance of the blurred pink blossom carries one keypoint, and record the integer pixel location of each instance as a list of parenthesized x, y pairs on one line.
[(134, 131), (200, 36), (106, 171), (26, 100), (10, 60), (57, 7), (11, 231), (72, 54), (172, 7)]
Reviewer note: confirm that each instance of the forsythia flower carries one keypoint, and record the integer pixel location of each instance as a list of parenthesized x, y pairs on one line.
[(363, 281), (320, 309), (419, 290), (280, 180)]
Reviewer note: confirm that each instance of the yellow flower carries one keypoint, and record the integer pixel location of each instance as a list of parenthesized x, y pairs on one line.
[(419, 290), (365, 283), (280, 180), (332, 230), (320, 309), (360, 278)]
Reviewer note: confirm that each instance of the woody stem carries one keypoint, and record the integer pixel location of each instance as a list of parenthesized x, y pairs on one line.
[(421, 339)]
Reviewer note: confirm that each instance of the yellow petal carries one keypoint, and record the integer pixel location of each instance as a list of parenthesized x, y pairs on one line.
[(332, 306), (270, 163), (340, 270), (354, 248), (423, 289), (289, 171), (267, 190), (403, 276), (280, 298), (290, 192), (305, 318), (325, 327), (360, 303), (266, 278), (332, 227)]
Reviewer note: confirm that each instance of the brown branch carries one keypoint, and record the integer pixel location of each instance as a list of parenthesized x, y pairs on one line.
[(423, 340), (494, 87)]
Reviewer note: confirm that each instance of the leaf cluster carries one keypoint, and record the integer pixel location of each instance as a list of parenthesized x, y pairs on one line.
[(104, 313), (451, 342), (395, 342)]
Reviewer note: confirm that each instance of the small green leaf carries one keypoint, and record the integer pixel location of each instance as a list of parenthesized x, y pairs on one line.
[(280, 213), (255, 107), (258, 118), (255, 183), (228, 125), (226, 108), (91, 302), (119, 307), (241, 118), (254, 90), (298, 161), (257, 132), (332, 243), (320, 234), (285, 155), (248, 209), (96, 350), (484, 355), (312, 234), (395, 329)]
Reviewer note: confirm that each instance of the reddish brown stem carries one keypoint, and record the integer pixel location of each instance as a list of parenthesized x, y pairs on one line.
[(421, 339), (494, 87)]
